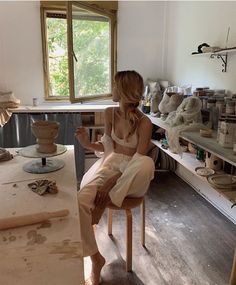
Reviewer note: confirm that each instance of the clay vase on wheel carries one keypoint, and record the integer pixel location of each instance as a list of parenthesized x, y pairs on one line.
[(45, 132)]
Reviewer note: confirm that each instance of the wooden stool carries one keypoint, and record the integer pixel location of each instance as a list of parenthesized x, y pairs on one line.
[(127, 205)]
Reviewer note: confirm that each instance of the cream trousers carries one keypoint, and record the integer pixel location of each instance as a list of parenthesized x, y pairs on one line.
[(137, 172)]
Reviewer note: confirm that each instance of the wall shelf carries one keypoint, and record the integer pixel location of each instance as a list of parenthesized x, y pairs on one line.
[(223, 57), (208, 144), (187, 162), (221, 54)]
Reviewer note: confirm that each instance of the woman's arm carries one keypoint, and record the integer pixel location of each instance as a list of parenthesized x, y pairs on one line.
[(108, 120), (82, 136), (144, 133), (82, 133)]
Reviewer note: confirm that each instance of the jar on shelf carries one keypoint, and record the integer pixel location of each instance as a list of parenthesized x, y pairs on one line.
[(209, 92), (227, 133), (230, 105), (234, 100), (213, 161), (199, 92), (211, 102), (220, 105), (219, 129), (200, 155), (204, 102)]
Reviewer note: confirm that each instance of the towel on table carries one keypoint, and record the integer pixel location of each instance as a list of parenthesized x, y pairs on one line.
[(5, 155), (43, 186)]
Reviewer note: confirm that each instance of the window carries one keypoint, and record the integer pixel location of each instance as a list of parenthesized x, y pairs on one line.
[(79, 49)]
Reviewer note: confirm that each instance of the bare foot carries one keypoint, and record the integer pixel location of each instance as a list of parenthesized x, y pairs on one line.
[(97, 266)]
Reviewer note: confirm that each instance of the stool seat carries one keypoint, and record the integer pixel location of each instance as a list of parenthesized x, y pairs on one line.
[(128, 204)]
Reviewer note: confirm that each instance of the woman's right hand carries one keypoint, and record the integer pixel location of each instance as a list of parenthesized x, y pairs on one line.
[(82, 136)]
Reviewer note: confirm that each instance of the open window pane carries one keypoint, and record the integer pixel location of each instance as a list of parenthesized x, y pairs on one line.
[(91, 53), (79, 49), (57, 55)]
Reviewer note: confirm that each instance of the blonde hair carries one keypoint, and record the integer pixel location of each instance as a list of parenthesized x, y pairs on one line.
[(130, 87)]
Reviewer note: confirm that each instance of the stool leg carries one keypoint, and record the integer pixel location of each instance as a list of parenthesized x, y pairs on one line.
[(142, 209), (233, 271), (109, 224), (128, 240)]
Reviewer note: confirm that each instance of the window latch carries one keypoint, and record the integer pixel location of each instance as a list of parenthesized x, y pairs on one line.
[(74, 56)]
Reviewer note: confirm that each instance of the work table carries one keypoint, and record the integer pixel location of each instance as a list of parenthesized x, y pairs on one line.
[(45, 253)]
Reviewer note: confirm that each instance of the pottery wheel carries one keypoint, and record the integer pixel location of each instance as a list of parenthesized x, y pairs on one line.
[(45, 164), (31, 151), (38, 167)]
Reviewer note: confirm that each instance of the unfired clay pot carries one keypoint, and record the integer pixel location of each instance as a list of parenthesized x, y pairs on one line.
[(45, 132), (213, 161)]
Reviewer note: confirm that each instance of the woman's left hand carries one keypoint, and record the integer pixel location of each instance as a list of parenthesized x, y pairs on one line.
[(102, 198), (82, 136)]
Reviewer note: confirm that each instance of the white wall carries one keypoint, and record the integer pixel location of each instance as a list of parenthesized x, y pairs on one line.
[(155, 38), (21, 68), (140, 31), (190, 24), (140, 37)]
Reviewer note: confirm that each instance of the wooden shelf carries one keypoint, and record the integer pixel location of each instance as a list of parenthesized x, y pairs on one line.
[(224, 50), (208, 144), (220, 51), (211, 145), (189, 160)]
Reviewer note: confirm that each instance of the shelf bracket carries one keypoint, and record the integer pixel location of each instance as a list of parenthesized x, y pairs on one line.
[(223, 57)]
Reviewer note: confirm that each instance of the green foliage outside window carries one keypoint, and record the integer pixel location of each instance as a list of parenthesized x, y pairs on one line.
[(58, 57), (91, 45)]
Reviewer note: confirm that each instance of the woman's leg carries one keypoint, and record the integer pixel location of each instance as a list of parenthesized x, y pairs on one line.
[(100, 206), (98, 262), (86, 198), (135, 179)]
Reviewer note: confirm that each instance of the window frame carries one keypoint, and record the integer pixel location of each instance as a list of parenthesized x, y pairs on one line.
[(66, 7)]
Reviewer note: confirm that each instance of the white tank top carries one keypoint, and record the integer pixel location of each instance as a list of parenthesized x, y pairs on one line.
[(132, 141)]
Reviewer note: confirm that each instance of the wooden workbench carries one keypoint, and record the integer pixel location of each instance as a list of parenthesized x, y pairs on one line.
[(46, 253)]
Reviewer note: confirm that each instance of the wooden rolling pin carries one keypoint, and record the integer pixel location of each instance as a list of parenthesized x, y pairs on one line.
[(31, 219)]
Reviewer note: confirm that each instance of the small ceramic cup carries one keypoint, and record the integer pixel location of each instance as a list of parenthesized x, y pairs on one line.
[(35, 101)]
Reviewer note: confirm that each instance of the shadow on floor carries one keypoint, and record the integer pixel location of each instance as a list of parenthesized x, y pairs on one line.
[(114, 274)]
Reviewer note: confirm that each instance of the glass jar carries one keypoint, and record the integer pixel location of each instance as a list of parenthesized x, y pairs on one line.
[(227, 133), (219, 129), (204, 102), (211, 102), (220, 105), (230, 105)]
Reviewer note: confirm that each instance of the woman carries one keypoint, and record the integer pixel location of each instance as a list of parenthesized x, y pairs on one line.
[(124, 170)]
